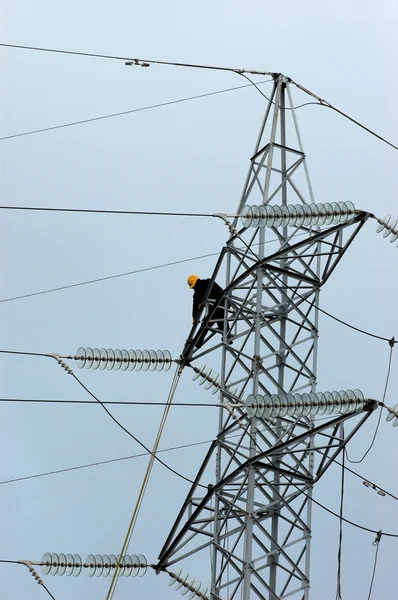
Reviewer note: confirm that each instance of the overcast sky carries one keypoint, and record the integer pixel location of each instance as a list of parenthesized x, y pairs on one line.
[(189, 157)]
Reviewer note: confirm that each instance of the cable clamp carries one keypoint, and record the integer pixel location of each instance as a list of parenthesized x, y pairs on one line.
[(28, 564), (392, 342), (61, 362), (378, 538)]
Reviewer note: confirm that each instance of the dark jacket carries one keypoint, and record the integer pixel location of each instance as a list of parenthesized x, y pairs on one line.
[(199, 294)]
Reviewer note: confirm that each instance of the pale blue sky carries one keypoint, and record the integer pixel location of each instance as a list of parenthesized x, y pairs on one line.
[(187, 157)]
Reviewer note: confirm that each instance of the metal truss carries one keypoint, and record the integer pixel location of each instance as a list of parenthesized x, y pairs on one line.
[(255, 512)]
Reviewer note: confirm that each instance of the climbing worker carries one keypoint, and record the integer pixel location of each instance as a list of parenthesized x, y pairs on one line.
[(201, 292)]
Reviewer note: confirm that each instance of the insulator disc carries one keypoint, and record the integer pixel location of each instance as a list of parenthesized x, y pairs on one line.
[(299, 215), (111, 359), (389, 417), (204, 376), (54, 564), (276, 406), (268, 406), (314, 404), (118, 360), (329, 403), (270, 213), (70, 563), (277, 216), (120, 560), (299, 406), (285, 216), (96, 359), (46, 566), (395, 424), (351, 209), (293, 215), (107, 565), (345, 404), (128, 565), (147, 360), (336, 213), (255, 216), (307, 404), (183, 578), (125, 360), (263, 216), (291, 405), (77, 569), (113, 561), (246, 216), (99, 565), (168, 360), (251, 406), (153, 360), (198, 372), (259, 406), (103, 359), (174, 577), (203, 590), (322, 404), (140, 360), (390, 228), (329, 213), (143, 565), (80, 357), (90, 565), (89, 358), (135, 565), (189, 586), (307, 215), (314, 214), (160, 360), (322, 214), (343, 210), (62, 564), (383, 223), (132, 360), (283, 405), (359, 394), (213, 382)]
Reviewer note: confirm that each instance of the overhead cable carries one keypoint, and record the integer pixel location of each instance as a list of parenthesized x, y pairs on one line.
[(375, 543), (381, 409), (128, 112), (146, 63)]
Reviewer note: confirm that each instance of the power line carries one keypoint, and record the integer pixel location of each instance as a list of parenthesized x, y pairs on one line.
[(28, 564), (128, 112), (146, 63), (375, 543), (109, 212), (338, 589), (129, 432), (115, 402), (381, 409), (138, 61), (366, 479), (102, 462)]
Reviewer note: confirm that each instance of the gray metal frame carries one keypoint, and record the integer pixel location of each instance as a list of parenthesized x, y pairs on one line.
[(255, 514)]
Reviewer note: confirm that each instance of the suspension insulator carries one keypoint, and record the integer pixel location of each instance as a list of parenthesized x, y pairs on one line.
[(194, 589), (297, 215), (130, 565), (138, 360), (206, 376), (98, 564), (304, 405), (61, 564), (392, 412), (388, 227)]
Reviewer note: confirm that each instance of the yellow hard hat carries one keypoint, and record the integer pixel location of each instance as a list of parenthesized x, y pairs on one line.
[(192, 279)]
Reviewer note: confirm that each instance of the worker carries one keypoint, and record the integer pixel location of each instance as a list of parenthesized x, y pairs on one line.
[(203, 290)]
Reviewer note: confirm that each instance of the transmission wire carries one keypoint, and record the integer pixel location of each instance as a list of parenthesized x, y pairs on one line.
[(338, 589), (128, 112), (144, 485), (147, 62), (375, 543), (392, 342)]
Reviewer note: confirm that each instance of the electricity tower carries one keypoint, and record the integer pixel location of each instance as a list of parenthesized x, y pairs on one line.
[(250, 503)]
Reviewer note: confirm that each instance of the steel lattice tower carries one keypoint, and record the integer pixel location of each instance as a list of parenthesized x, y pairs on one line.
[(255, 512)]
